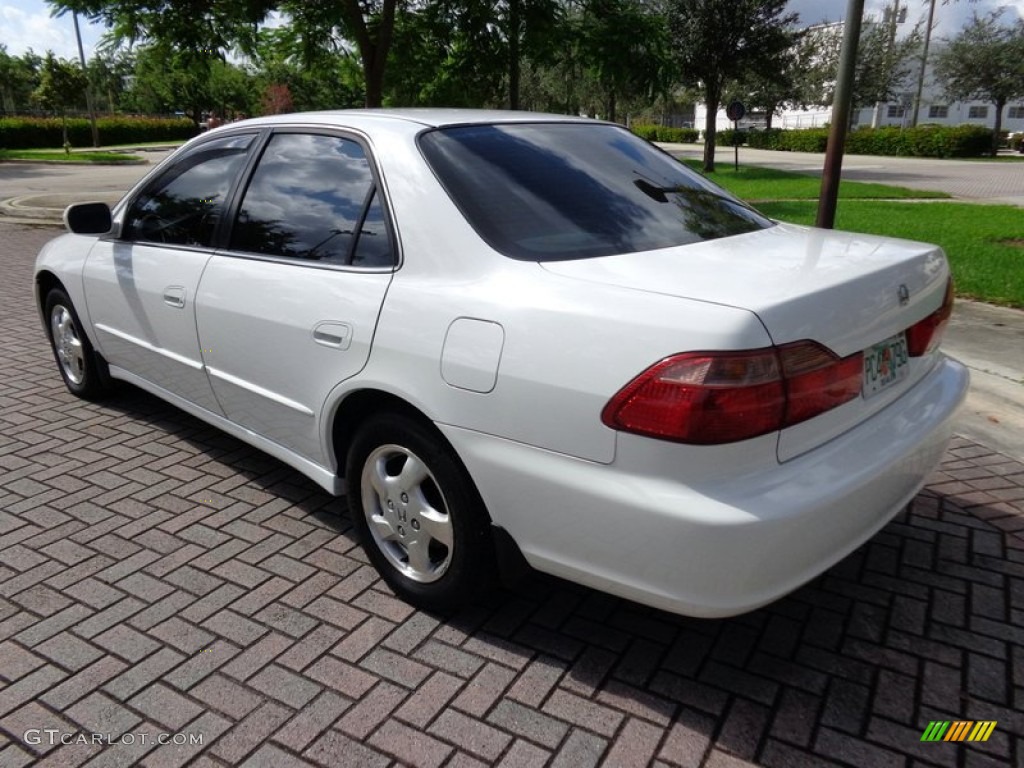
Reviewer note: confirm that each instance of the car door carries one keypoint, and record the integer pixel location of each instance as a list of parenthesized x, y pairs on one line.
[(141, 287), (289, 309)]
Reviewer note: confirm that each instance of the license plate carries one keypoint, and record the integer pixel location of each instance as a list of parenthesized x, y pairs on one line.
[(885, 364)]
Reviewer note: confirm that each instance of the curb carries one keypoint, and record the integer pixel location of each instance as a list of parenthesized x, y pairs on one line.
[(26, 207)]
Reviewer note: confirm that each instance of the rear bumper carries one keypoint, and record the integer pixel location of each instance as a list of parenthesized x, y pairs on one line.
[(715, 543)]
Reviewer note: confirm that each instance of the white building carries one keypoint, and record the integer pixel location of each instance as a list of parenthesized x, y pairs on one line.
[(935, 108)]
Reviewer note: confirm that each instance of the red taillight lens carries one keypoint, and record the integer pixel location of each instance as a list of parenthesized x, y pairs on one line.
[(817, 380), (709, 398), (924, 336)]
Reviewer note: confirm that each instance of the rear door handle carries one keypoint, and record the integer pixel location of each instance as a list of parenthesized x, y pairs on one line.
[(332, 334), (174, 296)]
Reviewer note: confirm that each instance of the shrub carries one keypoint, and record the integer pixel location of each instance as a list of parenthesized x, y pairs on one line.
[(766, 139), (730, 137), (922, 141), (666, 133), (45, 132)]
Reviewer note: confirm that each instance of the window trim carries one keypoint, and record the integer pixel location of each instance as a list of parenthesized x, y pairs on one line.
[(122, 233), (231, 213)]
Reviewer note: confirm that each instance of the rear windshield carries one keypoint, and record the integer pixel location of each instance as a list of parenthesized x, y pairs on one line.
[(557, 191)]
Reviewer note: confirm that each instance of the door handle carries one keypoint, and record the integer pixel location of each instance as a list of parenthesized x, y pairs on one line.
[(335, 335), (174, 296)]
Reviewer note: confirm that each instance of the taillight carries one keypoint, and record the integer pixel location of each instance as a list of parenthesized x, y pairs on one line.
[(707, 398), (924, 336), (817, 380)]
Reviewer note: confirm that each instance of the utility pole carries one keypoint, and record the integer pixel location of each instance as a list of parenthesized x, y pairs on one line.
[(924, 62), (88, 86), (840, 116)]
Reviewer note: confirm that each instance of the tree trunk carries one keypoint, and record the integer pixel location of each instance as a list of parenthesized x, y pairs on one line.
[(374, 45), (1000, 104), (513, 54), (373, 73), (611, 106), (711, 100)]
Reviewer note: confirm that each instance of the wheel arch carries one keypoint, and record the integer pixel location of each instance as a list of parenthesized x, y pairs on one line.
[(46, 281), (360, 405)]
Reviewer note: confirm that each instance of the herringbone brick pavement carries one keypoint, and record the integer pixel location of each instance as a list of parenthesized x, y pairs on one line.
[(159, 580)]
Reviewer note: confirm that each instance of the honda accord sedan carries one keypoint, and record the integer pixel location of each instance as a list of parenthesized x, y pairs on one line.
[(512, 337)]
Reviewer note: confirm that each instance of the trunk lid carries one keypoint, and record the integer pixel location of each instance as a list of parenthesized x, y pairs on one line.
[(843, 290)]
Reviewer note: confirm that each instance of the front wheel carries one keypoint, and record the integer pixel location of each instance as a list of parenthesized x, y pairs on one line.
[(421, 520), (76, 360)]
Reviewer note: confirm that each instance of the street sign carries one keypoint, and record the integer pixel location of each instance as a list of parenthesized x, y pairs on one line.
[(735, 111)]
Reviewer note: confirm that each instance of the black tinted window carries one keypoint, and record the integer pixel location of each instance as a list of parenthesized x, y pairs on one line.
[(183, 205), (306, 200), (544, 192)]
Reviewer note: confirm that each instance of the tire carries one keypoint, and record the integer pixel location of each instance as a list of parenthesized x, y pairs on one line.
[(420, 518), (81, 368)]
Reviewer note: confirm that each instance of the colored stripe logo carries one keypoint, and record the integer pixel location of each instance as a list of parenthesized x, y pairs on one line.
[(959, 730)]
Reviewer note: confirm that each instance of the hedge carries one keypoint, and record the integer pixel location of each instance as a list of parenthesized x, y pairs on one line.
[(922, 141), (730, 137), (45, 132), (665, 133)]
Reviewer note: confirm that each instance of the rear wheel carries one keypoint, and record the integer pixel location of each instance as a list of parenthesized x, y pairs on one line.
[(76, 359), (421, 520)]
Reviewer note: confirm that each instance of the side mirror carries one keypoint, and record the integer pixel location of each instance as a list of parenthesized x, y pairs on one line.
[(88, 218)]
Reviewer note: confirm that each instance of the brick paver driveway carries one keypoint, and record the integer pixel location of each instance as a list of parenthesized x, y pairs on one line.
[(159, 580)]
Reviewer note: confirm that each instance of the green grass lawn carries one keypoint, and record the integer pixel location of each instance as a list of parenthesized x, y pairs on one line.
[(984, 243), (79, 157)]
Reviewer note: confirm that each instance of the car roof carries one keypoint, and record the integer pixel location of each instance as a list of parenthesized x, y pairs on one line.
[(414, 116)]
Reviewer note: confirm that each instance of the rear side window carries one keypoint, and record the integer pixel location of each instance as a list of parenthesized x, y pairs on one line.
[(313, 197), (556, 191), (183, 205)]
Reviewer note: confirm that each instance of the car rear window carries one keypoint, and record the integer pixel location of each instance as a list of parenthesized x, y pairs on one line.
[(558, 191)]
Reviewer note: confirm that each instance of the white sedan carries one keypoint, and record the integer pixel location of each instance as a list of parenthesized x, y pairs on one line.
[(515, 336)]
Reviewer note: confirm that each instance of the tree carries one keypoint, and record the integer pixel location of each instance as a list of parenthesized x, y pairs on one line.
[(19, 77), (370, 23), (316, 78), (109, 73), (625, 46), (62, 84), (985, 62), (277, 100), (716, 41), (884, 63)]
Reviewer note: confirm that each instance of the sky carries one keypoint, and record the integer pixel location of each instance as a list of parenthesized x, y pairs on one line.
[(27, 24)]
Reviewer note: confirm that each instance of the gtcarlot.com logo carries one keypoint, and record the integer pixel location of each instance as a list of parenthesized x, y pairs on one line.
[(959, 730), (52, 737)]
